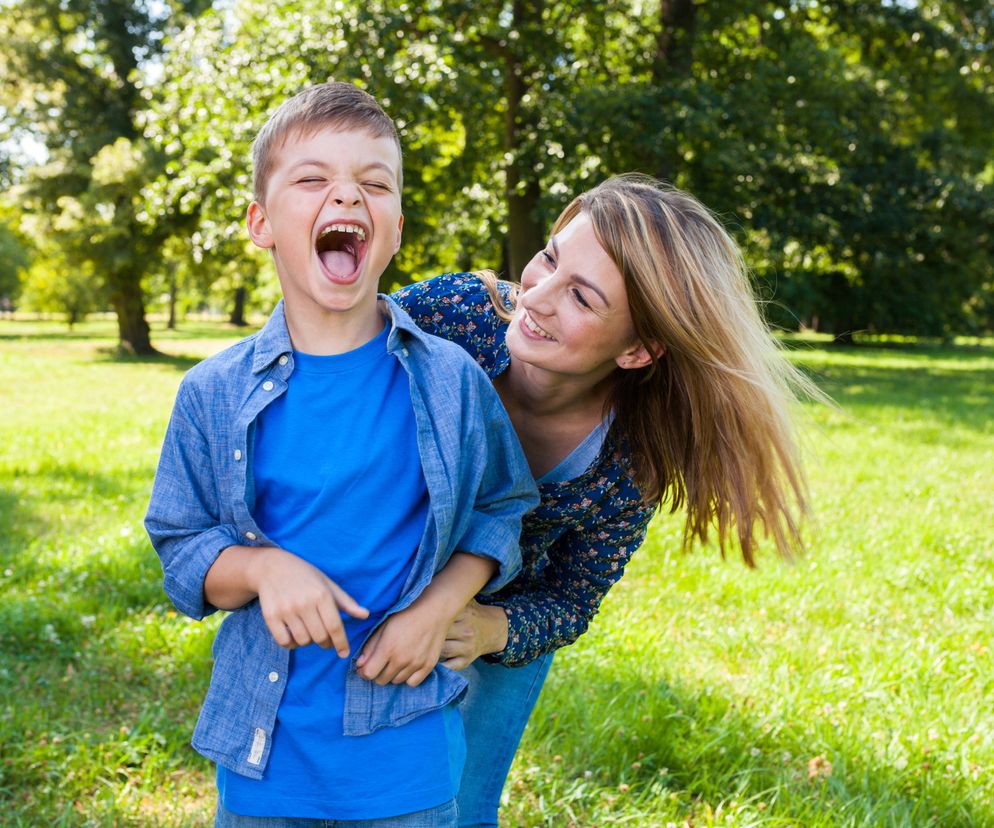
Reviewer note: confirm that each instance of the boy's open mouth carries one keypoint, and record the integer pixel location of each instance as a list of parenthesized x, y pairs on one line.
[(341, 248)]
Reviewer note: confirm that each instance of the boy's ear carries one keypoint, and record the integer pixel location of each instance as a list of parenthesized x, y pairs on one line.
[(639, 356), (258, 226), (400, 227)]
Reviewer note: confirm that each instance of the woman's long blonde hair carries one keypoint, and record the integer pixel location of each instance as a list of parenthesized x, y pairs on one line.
[(708, 425)]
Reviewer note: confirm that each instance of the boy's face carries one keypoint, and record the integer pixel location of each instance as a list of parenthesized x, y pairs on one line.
[(332, 219)]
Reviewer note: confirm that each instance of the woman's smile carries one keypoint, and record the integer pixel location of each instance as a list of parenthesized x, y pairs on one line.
[(530, 326)]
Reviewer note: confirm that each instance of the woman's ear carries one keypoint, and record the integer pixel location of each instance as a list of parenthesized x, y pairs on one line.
[(258, 226), (639, 356)]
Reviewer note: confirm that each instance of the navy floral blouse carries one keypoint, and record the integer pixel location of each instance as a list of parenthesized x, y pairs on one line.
[(575, 544)]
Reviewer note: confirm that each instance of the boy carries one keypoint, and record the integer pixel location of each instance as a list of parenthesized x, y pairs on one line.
[(314, 479)]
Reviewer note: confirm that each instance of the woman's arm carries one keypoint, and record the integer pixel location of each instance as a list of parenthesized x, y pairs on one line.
[(457, 307), (584, 564), (538, 615)]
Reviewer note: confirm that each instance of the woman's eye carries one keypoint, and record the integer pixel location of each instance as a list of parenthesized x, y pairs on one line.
[(579, 298), (548, 258)]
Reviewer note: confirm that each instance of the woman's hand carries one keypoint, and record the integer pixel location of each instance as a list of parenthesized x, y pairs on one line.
[(478, 630)]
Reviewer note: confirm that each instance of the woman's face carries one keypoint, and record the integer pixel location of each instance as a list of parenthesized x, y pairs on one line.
[(572, 314)]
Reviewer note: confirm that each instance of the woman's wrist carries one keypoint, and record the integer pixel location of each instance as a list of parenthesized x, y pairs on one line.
[(495, 628)]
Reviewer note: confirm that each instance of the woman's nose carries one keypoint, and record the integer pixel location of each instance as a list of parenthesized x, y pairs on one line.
[(539, 296)]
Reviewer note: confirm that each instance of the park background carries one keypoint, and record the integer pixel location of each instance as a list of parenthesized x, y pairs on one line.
[(849, 148)]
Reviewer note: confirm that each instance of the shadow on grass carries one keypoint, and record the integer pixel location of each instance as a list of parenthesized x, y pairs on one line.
[(933, 395), (930, 348), (181, 362), (58, 571), (19, 525), (663, 738)]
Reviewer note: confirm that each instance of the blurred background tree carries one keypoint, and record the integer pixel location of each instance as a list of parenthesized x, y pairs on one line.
[(846, 144)]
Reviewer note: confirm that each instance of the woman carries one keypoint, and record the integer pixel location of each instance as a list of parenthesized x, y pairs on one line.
[(637, 371)]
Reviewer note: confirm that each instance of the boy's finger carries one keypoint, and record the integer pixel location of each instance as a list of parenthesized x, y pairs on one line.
[(332, 622), (347, 603), (402, 676), (316, 629), (298, 632), (279, 632), (371, 661), (417, 677), (385, 674), (368, 649)]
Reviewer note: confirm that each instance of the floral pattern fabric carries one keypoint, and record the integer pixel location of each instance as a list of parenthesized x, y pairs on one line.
[(576, 543)]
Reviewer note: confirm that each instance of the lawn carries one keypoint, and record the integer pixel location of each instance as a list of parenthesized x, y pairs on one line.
[(850, 688)]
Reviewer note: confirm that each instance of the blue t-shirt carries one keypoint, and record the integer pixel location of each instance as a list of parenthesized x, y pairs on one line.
[(337, 448)]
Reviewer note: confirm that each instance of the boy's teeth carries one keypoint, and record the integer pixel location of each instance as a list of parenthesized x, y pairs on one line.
[(344, 228)]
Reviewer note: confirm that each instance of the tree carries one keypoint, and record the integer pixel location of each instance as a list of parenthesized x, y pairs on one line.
[(72, 68), (830, 136), (15, 256)]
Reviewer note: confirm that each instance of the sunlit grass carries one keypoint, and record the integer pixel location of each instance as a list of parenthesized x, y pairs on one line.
[(851, 688)]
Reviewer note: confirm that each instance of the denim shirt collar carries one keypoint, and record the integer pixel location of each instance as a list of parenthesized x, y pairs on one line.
[(273, 341)]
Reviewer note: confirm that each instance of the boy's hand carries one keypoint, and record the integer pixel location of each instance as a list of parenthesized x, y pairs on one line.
[(302, 605), (406, 647), (478, 630)]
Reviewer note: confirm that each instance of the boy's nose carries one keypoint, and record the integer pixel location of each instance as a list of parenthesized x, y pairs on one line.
[(346, 195)]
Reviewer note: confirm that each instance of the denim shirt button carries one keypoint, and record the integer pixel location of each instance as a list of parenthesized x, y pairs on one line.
[(251, 535), (284, 359), (267, 385), (405, 352), (274, 676), (238, 454)]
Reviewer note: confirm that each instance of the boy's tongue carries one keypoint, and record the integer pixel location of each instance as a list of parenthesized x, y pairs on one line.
[(340, 263)]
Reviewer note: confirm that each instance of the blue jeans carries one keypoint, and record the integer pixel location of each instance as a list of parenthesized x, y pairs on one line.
[(495, 711), (441, 816)]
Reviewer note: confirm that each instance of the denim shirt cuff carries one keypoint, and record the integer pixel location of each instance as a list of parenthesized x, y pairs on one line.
[(494, 538), (183, 580)]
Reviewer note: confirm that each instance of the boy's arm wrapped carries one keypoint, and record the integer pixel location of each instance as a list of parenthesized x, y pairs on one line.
[(506, 490)]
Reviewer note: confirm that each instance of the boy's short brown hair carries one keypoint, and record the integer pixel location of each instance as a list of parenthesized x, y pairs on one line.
[(333, 104)]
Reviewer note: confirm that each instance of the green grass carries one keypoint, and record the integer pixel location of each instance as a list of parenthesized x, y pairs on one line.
[(852, 688)]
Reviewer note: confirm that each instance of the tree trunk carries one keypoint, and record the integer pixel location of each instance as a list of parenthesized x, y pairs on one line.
[(132, 327), (238, 310), (171, 324), (674, 57), (526, 235), (674, 45)]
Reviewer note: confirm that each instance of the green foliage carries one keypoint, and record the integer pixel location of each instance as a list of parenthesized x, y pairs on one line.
[(54, 285), (15, 253), (850, 688), (846, 142), (72, 69)]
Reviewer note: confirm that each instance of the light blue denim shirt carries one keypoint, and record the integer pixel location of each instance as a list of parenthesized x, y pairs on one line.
[(202, 501)]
